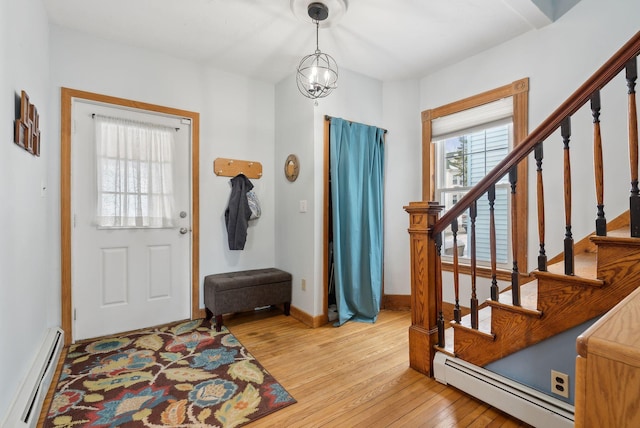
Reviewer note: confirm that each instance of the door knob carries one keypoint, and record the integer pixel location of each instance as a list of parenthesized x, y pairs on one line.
[(183, 230)]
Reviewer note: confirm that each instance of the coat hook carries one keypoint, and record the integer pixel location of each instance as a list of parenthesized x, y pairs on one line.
[(230, 162)]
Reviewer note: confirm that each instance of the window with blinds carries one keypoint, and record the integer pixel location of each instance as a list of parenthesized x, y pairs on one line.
[(465, 152)]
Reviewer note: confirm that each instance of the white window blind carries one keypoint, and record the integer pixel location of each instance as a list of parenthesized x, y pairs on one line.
[(443, 127), (134, 168)]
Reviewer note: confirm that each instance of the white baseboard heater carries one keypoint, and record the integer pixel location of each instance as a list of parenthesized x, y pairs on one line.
[(520, 401), (27, 404)]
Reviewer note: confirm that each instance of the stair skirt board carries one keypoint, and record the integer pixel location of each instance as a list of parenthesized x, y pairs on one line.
[(520, 401), (27, 404)]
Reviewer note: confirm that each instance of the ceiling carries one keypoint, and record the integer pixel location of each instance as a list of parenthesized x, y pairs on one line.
[(263, 39)]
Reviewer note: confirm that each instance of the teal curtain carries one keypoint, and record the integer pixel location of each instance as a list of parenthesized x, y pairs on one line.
[(356, 165)]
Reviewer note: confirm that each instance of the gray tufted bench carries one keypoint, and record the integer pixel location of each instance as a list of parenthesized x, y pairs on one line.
[(245, 290)]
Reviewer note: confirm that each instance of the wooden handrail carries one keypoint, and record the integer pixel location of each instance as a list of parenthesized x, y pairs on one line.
[(597, 81)]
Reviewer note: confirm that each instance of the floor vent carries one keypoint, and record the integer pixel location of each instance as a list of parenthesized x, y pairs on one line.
[(25, 410), (520, 401)]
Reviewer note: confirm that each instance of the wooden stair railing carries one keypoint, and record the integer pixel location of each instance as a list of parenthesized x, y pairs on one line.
[(426, 228)]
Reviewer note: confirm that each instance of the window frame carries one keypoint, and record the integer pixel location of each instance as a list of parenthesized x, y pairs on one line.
[(519, 92)]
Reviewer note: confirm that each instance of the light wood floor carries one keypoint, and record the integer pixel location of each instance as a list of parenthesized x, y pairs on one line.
[(356, 375)]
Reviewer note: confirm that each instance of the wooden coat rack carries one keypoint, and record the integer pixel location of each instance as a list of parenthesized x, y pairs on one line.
[(232, 167)]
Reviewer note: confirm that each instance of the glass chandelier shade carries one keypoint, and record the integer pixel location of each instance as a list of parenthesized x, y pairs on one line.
[(317, 74)]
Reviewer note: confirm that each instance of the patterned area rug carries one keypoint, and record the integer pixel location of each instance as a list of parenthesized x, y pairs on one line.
[(184, 375)]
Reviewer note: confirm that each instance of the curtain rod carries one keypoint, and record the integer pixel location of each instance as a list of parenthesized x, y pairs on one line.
[(327, 117), (93, 116)]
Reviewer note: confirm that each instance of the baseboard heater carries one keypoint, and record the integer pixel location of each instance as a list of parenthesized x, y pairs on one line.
[(27, 404), (520, 401)]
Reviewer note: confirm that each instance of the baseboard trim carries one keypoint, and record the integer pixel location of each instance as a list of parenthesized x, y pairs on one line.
[(396, 302), (310, 320), (402, 302)]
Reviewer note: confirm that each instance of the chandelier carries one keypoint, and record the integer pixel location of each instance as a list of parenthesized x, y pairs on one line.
[(317, 74)]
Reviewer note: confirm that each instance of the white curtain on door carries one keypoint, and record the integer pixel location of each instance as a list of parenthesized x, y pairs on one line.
[(134, 165)]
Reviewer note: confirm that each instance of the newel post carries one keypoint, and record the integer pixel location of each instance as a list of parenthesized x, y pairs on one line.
[(423, 333)]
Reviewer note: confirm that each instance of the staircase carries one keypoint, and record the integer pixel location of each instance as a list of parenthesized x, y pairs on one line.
[(552, 303), (587, 280)]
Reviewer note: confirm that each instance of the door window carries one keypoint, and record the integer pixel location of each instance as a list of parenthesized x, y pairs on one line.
[(134, 174)]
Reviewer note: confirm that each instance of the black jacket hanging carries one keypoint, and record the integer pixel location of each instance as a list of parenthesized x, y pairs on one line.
[(237, 214)]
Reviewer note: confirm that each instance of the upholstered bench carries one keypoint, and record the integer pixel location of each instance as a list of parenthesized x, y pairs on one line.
[(245, 290)]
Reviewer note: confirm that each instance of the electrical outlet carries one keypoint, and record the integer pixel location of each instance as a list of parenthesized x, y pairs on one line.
[(560, 383), (304, 285)]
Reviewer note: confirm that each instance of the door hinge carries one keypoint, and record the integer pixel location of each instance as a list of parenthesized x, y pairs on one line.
[(74, 314), (74, 220)]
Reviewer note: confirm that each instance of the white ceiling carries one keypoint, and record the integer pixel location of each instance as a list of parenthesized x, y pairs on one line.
[(383, 39)]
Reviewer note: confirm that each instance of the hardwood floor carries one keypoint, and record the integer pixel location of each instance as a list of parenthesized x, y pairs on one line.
[(356, 375)]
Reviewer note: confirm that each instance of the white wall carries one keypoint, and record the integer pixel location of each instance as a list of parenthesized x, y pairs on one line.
[(294, 238), (558, 59), (28, 255), (403, 182), (236, 121)]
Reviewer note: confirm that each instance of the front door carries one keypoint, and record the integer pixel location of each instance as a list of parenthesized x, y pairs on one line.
[(126, 278)]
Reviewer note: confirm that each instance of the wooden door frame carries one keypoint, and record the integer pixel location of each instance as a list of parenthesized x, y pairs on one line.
[(325, 225), (66, 117)]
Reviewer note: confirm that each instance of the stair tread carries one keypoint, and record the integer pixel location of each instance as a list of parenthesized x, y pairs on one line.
[(624, 232), (484, 320), (528, 300), (584, 266), (528, 296), (617, 236)]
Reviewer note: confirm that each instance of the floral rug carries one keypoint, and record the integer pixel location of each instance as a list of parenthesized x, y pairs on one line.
[(181, 375)]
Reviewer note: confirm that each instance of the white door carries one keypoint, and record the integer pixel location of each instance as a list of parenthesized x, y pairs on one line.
[(127, 278)]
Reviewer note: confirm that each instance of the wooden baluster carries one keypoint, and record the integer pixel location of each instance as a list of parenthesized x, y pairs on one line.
[(515, 275), (440, 320), (634, 199), (491, 195), (473, 211), (565, 131), (542, 256), (456, 272), (601, 221)]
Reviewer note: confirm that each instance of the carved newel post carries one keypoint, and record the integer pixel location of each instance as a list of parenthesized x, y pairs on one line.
[(423, 333)]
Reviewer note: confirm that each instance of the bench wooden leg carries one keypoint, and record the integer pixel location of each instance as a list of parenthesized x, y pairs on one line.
[(218, 322), (287, 308)]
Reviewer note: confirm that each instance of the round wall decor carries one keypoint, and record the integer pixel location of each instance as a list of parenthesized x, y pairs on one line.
[(291, 168)]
